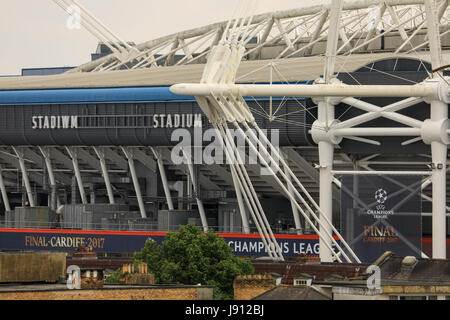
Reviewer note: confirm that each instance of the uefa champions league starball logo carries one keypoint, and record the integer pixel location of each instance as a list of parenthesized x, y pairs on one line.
[(380, 196), (380, 212)]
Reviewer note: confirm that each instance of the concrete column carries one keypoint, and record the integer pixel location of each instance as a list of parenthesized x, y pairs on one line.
[(76, 169), (226, 221), (165, 183), (23, 194), (193, 180), (91, 193), (231, 221), (54, 202), (73, 191), (25, 179), (295, 214), (242, 211), (105, 174), (178, 186), (129, 154), (4, 193), (188, 191)]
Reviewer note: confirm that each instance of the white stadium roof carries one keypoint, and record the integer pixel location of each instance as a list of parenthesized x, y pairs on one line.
[(290, 70), (293, 40)]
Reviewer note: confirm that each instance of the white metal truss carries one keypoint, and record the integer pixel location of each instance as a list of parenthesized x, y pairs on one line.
[(222, 101), (121, 50), (295, 33), (337, 31), (223, 106)]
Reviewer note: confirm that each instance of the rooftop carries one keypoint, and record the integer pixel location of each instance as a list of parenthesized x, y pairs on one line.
[(318, 271), (284, 292), (406, 270)]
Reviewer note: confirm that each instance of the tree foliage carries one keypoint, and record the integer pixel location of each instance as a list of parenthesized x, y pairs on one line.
[(114, 277), (192, 257)]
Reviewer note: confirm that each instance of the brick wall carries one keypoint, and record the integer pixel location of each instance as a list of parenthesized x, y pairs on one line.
[(32, 267), (138, 278), (250, 286), (202, 293)]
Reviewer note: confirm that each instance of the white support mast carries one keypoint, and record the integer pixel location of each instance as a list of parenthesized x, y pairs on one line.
[(435, 133), (326, 146)]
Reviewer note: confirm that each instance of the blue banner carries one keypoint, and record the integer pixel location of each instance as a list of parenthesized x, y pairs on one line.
[(126, 241), (382, 213)]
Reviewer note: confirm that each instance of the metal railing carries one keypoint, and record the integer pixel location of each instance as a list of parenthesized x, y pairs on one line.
[(134, 226)]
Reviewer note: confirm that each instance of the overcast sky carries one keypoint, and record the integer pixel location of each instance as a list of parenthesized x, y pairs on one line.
[(33, 33)]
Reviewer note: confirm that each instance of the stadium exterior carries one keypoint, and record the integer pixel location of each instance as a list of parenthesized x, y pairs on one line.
[(106, 132)]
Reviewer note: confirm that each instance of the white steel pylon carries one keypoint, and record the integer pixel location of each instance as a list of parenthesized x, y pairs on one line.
[(222, 101), (225, 106), (436, 134)]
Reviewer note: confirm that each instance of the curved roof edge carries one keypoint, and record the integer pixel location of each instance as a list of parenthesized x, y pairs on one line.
[(292, 70)]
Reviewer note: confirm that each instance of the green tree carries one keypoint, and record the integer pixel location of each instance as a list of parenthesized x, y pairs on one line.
[(191, 257), (114, 277)]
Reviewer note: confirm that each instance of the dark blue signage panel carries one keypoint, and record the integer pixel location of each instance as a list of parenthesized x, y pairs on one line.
[(382, 213), (124, 241), (69, 240)]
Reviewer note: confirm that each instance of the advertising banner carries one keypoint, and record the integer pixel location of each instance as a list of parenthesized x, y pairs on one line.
[(382, 213), (129, 241)]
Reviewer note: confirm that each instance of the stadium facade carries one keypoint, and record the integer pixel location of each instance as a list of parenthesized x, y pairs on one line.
[(94, 147)]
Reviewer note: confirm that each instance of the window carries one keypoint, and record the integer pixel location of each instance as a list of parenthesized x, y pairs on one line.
[(302, 282)]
